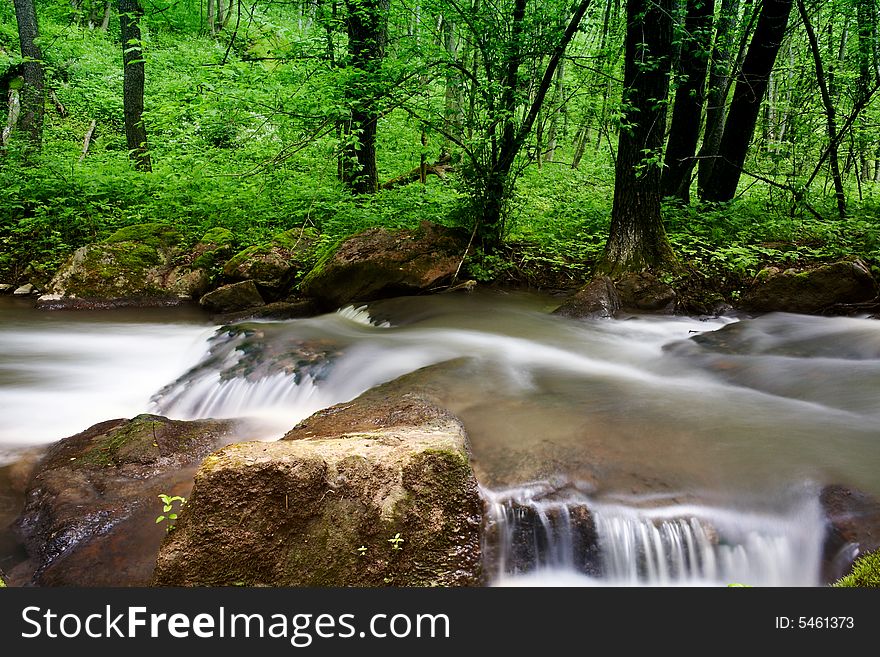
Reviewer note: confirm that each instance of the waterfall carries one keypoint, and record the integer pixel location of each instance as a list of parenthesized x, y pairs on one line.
[(535, 534)]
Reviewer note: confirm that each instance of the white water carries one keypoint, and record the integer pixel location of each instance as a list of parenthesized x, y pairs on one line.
[(685, 454)]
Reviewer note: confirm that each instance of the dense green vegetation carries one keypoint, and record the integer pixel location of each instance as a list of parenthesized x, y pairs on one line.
[(865, 572), (250, 127)]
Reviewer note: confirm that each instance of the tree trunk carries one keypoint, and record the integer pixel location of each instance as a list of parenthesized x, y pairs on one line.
[(867, 34), (560, 109), (637, 240), (32, 96), (830, 112), (366, 23), (212, 20), (688, 109), (750, 88), (105, 23), (718, 88), (130, 13), (14, 111)]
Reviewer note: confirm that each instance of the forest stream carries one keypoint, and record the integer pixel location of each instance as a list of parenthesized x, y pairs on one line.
[(698, 446)]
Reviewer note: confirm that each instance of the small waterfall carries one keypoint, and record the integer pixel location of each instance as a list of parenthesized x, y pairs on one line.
[(540, 535)]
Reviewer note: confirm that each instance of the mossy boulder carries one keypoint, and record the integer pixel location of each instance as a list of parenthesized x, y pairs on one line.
[(137, 265), (92, 501), (376, 492), (274, 266), (381, 263), (826, 289)]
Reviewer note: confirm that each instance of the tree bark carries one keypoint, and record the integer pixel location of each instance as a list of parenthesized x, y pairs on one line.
[(751, 86), (637, 240), (130, 13), (32, 96), (105, 23), (684, 133), (830, 111), (717, 91), (366, 22)]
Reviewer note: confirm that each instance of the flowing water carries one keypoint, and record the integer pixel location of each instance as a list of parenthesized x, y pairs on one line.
[(637, 451)]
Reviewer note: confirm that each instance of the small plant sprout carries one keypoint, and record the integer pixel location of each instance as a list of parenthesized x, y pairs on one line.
[(396, 542), (168, 513), (362, 550)]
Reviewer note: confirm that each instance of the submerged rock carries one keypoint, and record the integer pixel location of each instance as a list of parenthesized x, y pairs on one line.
[(91, 503), (603, 298), (375, 492), (381, 263), (811, 291)]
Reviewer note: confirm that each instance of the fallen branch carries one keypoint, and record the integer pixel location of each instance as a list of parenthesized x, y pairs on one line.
[(87, 141), (59, 107), (439, 168)]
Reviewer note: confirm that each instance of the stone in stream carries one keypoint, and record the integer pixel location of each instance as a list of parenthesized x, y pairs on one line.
[(598, 299), (232, 297), (824, 289), (92, 501), (853, 519), (6, 288), (381, 263), (25, 290), (373, 492), (274, 266), (603, 298)]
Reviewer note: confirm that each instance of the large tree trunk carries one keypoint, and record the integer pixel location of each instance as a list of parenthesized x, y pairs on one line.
[(751, 86), (366, 23), (130, 13), (32, 96), (637, 240), (689, 97)]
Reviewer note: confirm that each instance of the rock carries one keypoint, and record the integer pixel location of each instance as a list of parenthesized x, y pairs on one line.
[(6, 288), (812, 291), (644, 292), (853, 528), (277, 310), (273, 266), (596, 300), (120, 270), (603, 298), (25, 290), (374, 492), (91, 504), (382, 263), (232, 297)]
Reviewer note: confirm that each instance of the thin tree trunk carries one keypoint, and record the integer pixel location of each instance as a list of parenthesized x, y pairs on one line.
[(14, 104), (87, 140), (717, 89), (830, 112), (637, 240), (560, 109), (130, 13), (212, 12), (684, 133), (751, 87), (366, 45), (32, 96), (105, 24)]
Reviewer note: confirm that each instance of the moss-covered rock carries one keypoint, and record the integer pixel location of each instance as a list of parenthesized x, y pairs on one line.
[(91, 503), (865, 572), (232, 297), (276, 265), (853, 519), (382, 263), (359, 495), (818, 290), (155, 235)]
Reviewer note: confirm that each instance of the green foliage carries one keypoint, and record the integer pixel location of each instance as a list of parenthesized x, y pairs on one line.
[(169, 514), (865, 572)]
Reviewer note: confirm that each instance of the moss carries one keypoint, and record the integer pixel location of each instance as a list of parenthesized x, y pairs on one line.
[(295, 239), (114, 269), (157, 235), (2, 582), (219, 235), (865, 573)]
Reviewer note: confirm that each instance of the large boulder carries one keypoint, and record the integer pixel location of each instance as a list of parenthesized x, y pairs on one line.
[(382, 263), (131, 266), (853, 528), (274, 266), (375, 492), (92, 501), (598, 299), (811, 291)]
